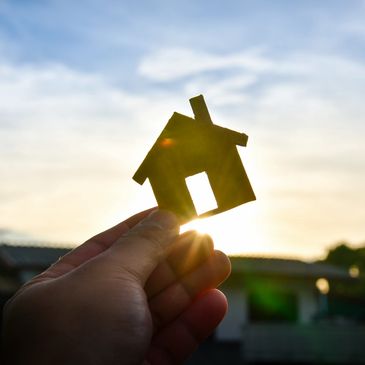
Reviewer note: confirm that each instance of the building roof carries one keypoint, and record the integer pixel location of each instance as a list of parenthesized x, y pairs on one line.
[(40, 257), (15, 257), (286, 267)]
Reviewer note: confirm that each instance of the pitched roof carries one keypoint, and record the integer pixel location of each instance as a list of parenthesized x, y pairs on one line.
[(185, 129), (286, 267), (29, 257)]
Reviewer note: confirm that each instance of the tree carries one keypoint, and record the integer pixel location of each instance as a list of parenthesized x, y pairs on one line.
[(348, 299), (346, 257)]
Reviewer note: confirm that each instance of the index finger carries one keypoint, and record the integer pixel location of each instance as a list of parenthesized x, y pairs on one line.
[(93, 246), (108, 237)]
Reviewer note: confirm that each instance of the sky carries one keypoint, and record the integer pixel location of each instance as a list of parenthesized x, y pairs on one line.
[(87, 86)]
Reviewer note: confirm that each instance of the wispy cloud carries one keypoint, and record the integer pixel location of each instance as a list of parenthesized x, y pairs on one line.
[(63, 132), (84, 91), (175, 63), (306, 155), (69, 133)]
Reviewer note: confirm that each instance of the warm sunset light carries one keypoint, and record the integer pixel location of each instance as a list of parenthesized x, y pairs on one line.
[(234, 231), (111, 110), (79, 115)]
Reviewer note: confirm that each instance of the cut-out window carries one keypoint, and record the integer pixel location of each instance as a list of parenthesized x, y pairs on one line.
[(201, 193)]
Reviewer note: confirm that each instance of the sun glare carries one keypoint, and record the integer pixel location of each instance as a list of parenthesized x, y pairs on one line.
[(234, 231), (237, 231), (199, 225)]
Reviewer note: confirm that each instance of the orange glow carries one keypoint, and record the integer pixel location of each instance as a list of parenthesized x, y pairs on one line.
[(167, 142)]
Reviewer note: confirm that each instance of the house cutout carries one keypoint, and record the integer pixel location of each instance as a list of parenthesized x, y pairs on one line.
[(187, 147)]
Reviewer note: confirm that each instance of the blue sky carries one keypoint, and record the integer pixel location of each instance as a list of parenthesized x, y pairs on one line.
[(85, 88)]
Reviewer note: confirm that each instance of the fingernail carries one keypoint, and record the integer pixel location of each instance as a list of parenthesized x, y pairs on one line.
[(165, 219)]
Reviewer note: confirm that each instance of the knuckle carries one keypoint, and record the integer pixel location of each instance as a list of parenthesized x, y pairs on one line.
[(154, 235)]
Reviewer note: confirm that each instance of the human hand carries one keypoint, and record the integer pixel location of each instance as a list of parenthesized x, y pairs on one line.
[(138, 293)]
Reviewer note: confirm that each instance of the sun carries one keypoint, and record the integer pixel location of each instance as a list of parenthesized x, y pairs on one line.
[(234, 231), (241, 230), (200, 225)]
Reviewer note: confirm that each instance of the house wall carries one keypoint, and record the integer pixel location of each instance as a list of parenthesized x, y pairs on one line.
[(237, 316), (308, 303), (230, 328)]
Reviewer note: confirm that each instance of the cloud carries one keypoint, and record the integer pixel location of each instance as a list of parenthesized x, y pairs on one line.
[(230, 90), (306, 153), (67, 136), (175, 63), (71, 140), (48, 88), (69, 123)]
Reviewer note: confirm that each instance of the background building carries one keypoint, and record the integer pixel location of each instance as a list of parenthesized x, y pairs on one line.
[(280, 310)]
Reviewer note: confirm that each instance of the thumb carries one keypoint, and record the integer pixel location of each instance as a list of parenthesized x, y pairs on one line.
[(143, 247)]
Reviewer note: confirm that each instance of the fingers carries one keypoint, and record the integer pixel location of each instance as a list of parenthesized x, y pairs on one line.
[(171, 302), (108, 237), (178, 340), (93, 247), (138, 252), (186, 253)]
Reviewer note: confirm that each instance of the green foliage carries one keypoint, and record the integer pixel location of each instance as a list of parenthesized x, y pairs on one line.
[(342, 255)]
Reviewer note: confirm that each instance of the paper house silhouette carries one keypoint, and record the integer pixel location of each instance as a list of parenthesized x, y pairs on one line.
[(190, 146)]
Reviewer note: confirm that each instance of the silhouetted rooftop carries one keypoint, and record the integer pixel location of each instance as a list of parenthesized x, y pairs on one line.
[(37, 256), (286, 267), (42, 256)]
